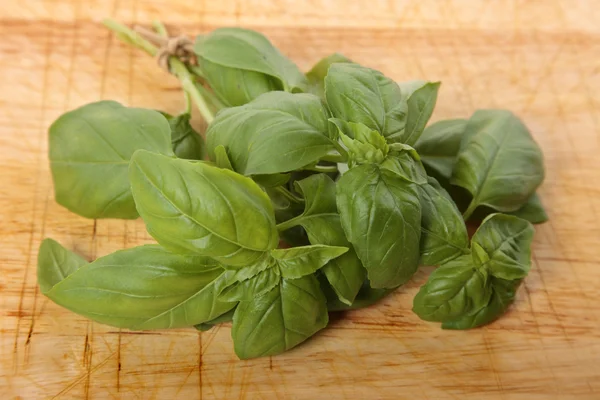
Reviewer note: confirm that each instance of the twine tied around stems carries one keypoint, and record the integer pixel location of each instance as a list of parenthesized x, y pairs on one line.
[(180, 47)]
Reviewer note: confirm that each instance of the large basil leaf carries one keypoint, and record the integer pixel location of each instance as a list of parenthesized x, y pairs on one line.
[(362, 95), (499, 163), (89, 150), (277, 132), (365, 297), (443, 231), (194, 207), (142, 288), (381, 215), (506, 241), (297, 262), (277, 321), (250, 51), (439, 146), (55, 263), (455, 289), (322, 224), (503, 295), (316, 76), (254, 286), (420, 105), (186, 142)]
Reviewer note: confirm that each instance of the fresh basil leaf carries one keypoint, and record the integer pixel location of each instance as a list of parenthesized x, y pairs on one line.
[(404, 164), (532, 211), (507, 241), (297, 262), (365, 297), (364, 144), (277, 132), (194, 207), (420, 105), (186, 142), (316, 76), (279, 320), (499, 163), (89, 150), (222, 159), (321, 222), (225, 317), (249, 51), (381, 215), (362, 95), (144, 287), (454, 289), (254, 286), (55, 263), (443, 231), (439, 146), (271, 181), (503, 295)]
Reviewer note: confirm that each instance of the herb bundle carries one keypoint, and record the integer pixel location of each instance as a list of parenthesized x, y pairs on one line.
[(313, 193)]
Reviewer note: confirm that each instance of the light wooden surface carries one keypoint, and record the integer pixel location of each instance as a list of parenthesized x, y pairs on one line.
[(540, 59)]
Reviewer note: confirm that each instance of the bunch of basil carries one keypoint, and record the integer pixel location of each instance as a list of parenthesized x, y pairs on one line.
[(321, 192)]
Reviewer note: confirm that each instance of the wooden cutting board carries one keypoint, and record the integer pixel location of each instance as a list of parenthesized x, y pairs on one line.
[(540, 59)]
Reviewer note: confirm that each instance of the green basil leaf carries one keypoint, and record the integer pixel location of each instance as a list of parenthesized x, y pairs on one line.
[(280, 319), (532, 211), (420, 105), (453, 290), (364, 144), (322, 223), (365, 297), (55, 263), (503, 295), (381, 215), (443, 231), (222, 159), (277, 132), (316, 76), (89, 150), (297, 262), (250, 51), (254, 286), (272, 181), (439, 146), (194, 207), (405, 165), (499, 163), (144, 287), (225, 317), (362, 95), (507, 241), (186, 142)]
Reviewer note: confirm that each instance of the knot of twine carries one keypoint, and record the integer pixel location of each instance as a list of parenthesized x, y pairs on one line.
[(180, 47)]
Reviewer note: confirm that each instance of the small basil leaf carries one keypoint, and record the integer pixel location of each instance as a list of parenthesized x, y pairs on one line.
[(364, 144), (225, 317), (503, 295), (250, 51), (271, 181), (499, 163), (277, 132), (255, 286), (453, 290), (507, 241), (89, 150), (362, 95), (321, 222), (186, 142), (532, 211), (365, 297), (316, 76), (420, 105), (279, 320), (439, 146), (300, 261), (55, 263), (221, 158), (144, 287), (381, 215), (194, 207), (405, 165), (444, 234)]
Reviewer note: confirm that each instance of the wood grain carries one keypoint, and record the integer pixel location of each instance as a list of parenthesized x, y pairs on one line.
[(537, 58)]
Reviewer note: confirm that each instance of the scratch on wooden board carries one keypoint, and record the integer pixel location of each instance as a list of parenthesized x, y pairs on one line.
[(119, 361), (200, 351), (490, 354)]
